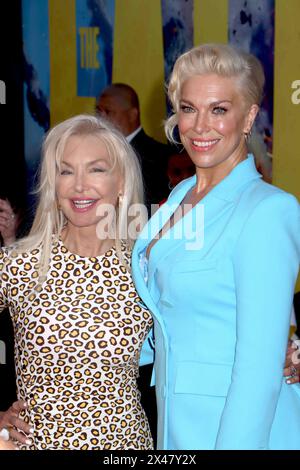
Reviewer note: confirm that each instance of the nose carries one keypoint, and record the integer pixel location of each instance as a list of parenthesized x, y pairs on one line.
[(80, 182), (201, 123)]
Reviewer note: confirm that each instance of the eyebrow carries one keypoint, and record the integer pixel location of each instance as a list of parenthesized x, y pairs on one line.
[(214, 103), (93, 162)]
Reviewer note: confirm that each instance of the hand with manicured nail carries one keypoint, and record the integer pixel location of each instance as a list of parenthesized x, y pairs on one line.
[(292, 364), (8, 222), (18, 429)]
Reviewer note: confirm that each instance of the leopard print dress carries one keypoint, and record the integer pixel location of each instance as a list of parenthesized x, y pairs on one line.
[(77, 346)]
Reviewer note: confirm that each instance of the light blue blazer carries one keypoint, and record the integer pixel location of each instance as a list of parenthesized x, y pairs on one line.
[(221, 294)]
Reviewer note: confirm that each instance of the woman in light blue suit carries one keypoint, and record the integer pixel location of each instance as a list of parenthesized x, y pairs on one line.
[(217, 265)]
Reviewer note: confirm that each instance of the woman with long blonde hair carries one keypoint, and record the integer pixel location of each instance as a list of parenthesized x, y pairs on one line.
[(78, 323)]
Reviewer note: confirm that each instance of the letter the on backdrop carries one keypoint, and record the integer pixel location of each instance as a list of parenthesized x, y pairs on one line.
[(94, 36)]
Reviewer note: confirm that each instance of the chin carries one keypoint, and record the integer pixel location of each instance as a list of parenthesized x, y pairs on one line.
[(205, 163), (82, 224)]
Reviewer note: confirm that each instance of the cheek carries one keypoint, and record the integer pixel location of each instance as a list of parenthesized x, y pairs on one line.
[(229, 127), (61, 188), (185, 122), (110, 189), (58, 189)]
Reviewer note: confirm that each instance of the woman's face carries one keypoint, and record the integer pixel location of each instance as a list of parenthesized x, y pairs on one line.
[(212, 120), (85, 181)]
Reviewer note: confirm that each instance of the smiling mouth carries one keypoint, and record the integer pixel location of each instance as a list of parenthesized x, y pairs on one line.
[(204, 143), (83, 203)]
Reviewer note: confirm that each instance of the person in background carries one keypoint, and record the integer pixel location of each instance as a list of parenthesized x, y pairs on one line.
[(120, 104), (216, 266), (180, 167), (8, 222)]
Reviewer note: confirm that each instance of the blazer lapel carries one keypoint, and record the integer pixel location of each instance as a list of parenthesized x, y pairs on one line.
[(150, 230), (162, 215), (213, 206)]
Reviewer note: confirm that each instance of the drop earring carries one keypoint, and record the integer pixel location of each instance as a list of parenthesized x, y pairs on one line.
[(247, 136)]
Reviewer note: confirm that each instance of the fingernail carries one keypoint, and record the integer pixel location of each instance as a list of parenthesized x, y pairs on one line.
[(31, 430), (288, 381), (28, 442)]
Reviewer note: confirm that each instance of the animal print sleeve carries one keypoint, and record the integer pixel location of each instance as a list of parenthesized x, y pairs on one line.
[(3, 280)]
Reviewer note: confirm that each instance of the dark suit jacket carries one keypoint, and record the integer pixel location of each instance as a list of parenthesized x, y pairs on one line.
[(153, 157)]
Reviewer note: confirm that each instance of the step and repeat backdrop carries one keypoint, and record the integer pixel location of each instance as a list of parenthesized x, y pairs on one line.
[(72, 49), (75, 48)]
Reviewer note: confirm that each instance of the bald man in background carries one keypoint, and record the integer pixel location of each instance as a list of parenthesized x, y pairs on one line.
[(120, 104)]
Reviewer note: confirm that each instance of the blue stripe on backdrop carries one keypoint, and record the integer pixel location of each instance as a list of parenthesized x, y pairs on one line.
[(36, 82), (94, 32), (178, 30), (251, 27)]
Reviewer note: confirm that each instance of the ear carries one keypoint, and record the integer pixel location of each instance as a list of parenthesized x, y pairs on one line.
[(133, 114), (250, 118)]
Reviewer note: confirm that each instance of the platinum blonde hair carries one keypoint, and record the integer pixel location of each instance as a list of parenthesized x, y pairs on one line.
[(220, 59), (49, 220)]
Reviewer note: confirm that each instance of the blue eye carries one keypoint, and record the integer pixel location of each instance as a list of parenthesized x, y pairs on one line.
[(186, 109), (97, 170), (219, 110)]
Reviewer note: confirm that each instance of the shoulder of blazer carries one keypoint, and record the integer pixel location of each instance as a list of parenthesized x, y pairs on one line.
[(265, 190), (264, 203)]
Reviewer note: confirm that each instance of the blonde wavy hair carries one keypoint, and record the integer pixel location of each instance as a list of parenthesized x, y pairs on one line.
[(49, 220), (220, 59)]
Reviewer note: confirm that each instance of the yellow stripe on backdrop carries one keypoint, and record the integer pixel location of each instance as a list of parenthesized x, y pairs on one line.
[(210, 21), (139, 59), (64, 101), (286, 164), (286, 150)]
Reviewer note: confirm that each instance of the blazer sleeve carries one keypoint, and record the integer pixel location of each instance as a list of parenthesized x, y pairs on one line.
[(266, 262)]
